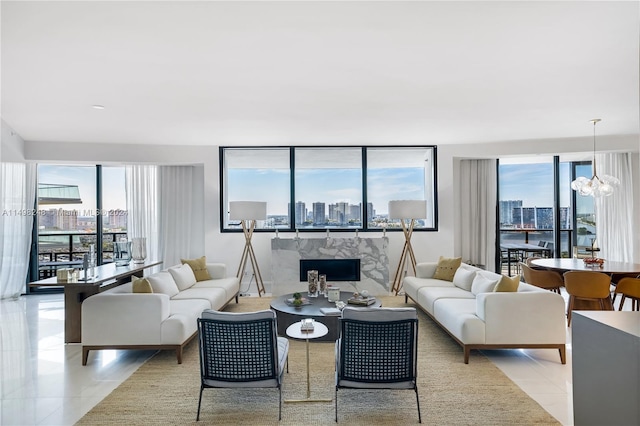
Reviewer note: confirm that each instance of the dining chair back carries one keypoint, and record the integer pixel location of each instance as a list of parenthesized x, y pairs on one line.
[(629, 288), (377, 349), (241, 350), (543, 278), (587, 285)]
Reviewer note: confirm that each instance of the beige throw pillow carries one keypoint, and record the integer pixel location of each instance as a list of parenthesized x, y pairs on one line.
[(199, 267), (141, 285), (447, 268), (508, 284)]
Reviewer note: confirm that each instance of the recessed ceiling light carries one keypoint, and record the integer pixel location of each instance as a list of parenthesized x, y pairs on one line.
[(97, 106)]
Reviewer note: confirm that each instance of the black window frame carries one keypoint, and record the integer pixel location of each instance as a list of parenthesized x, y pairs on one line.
[(292, 226)]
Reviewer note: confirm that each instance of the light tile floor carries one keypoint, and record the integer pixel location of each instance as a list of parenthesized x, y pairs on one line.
[(42, 381)]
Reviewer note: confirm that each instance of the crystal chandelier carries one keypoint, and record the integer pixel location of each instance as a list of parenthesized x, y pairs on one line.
[(597, 186)]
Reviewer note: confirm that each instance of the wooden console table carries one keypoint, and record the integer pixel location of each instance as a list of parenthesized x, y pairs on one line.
[(107, 276)]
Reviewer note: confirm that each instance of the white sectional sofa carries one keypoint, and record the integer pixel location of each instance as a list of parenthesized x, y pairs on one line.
[(478, 318), (164, 319)]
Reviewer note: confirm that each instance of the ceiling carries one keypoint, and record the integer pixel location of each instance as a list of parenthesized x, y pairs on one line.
[(307, 73)]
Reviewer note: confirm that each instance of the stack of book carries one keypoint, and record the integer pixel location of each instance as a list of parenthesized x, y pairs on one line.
[(362, 301), (306, 324)]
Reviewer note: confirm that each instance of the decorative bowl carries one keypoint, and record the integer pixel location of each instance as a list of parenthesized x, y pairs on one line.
[(593, 261)]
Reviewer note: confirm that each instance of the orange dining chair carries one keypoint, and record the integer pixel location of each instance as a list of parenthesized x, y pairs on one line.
[(587, 285), (629, 288), (542, 278), (528, 261)]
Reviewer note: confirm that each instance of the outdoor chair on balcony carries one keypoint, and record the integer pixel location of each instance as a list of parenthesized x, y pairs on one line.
[(377, 349), (241, 350)]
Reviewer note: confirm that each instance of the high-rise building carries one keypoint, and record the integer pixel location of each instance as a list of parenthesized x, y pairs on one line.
[(118, 219), (67, 220), (507, 210), (301, 213), (319, 217)]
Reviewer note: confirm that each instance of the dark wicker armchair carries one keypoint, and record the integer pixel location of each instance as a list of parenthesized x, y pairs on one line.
[(377, 349), (241, 350)]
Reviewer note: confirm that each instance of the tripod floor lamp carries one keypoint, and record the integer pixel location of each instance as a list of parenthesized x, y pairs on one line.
[(249, 211), (406, 210)]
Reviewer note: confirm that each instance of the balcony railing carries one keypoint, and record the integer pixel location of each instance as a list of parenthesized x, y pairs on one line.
[(67, 249)]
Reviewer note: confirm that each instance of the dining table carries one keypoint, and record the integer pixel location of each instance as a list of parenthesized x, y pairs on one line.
[(573, 264), (614, 269)]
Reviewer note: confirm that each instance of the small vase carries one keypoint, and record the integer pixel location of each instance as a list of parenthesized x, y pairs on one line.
[(122, 253), (138, 249), (322, 284), (312, 279)]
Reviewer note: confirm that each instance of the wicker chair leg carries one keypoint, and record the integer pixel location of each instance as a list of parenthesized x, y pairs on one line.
[(199, 404), (279, 402), (336, 404), (418, 403)]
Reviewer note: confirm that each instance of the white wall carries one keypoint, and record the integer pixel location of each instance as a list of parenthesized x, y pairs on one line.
[(227, 247), (11, 145)]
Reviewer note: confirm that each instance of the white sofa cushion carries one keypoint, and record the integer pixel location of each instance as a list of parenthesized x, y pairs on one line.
[(182, 321), (428, 295), (183, 276), (162, 282), (216, 297), (463, 277), (484, 282), (230, 285), (459, 317)]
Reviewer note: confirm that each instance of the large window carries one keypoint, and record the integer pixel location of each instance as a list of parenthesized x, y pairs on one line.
[(318, 188), (529, 212), (328, 184), (400, 174), (75, 212)]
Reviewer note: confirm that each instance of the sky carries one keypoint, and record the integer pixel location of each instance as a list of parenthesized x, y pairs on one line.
[(325, 185), (84, 177)]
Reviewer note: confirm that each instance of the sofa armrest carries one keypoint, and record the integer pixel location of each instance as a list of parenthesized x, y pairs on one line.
[(522, 318), (217, 270), (124, 318), (426, 269)]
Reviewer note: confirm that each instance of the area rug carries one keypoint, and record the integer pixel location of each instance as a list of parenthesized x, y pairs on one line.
[(451, 392)]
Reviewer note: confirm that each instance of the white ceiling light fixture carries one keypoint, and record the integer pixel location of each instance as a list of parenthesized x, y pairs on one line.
[(97, 106), (597, 186)]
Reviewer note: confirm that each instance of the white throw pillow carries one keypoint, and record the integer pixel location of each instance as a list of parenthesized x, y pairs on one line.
[(162, 282), (483, 284), (183, 276), (464, 278)]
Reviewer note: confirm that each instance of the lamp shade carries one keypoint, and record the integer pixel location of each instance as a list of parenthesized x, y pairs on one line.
[(407, 209), (247, 210)]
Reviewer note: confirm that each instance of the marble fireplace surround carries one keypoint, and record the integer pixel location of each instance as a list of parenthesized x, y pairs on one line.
[(372, 252)]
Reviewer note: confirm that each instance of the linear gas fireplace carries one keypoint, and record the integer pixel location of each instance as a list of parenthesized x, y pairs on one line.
[(334, 269), (353, 264)]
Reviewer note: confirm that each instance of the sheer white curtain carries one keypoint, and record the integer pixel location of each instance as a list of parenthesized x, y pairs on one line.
[(177, 218), (478, 183), (141, 182), (614, 214), (17, 199)]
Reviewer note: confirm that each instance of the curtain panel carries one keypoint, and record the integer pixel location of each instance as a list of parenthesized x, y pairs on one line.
[(141, 186), (177, 216), (614, 214), (478, 199), (17, 199)]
